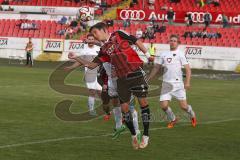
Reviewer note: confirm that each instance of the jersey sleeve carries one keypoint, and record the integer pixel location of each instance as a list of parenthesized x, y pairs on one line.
[(158, 59), (128, 37), (183, 59)]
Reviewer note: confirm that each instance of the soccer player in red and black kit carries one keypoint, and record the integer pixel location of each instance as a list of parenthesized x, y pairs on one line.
[(118, 51)]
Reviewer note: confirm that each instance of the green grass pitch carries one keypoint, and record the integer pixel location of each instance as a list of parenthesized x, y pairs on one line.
[(30, 130)]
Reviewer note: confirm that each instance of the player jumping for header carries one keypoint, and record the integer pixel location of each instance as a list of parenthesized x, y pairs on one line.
[(118, 51)]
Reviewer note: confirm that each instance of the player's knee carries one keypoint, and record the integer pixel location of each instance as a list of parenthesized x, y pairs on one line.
[(99, 93), (124, 107), (115, 101), (142, 102), (183, 105), (92, 92), (164, 105)]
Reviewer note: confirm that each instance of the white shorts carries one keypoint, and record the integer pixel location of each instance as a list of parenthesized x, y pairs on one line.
[(112, 88), (91, 82), (170, 90)]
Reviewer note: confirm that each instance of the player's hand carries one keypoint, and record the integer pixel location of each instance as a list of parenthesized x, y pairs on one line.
[(187, 86), (151, 59), (71, 55), (104, 88)]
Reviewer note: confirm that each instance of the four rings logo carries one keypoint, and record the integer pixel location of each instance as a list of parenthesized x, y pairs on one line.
[(132, 14), (197, 16)]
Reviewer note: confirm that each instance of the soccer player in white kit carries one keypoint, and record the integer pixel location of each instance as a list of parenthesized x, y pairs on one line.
[(173, 85), (89, 52)]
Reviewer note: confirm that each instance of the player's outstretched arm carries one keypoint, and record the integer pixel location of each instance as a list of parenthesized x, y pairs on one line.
[(144, 50), (141, 46), (187, 84), (88, 64), (73, 66), (154, 71)]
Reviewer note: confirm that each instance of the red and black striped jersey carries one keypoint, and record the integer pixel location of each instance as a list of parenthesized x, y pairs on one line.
[(119, 52)]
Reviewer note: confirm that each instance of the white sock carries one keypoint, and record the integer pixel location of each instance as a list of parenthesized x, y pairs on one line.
[(190, 111), (135, 121), (170, 114), (91, 101), (117, 116), (134, 114)]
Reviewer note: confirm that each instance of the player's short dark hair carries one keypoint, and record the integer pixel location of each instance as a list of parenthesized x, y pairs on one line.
[(175, 36), (100, 25), (90, 35)]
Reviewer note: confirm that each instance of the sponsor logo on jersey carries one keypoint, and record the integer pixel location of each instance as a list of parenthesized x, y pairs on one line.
[(169, 60)]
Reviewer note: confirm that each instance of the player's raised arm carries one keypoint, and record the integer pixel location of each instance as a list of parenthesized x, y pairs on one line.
[(187, 84), (144, 50), (88, 64), (73, 66)]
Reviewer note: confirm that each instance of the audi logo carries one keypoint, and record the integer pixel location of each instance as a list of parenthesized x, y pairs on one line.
[(132, 14), (197, 16)]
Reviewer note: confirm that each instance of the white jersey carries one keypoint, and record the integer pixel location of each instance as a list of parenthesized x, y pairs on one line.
[(110, 70), (89, 54), (112, 80), (172, 61)]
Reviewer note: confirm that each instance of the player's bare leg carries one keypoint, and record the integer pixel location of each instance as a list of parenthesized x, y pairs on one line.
[(188, 108), (170, 115)]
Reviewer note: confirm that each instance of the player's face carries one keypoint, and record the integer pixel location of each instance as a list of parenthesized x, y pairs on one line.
[(91, 40), (99, 34), (173, 43)]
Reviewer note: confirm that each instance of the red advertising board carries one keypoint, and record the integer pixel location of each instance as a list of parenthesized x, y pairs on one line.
[(147, 15)]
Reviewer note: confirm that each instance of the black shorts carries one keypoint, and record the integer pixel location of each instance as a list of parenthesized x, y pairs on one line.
[(134, 83)]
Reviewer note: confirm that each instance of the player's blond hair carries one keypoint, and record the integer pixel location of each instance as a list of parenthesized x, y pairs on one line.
[(175, 36)]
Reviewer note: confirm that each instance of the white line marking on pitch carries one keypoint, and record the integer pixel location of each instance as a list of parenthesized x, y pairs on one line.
[(93, 136)]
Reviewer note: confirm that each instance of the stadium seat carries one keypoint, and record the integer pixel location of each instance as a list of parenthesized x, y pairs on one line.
[(11, 28), (63, 3)]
